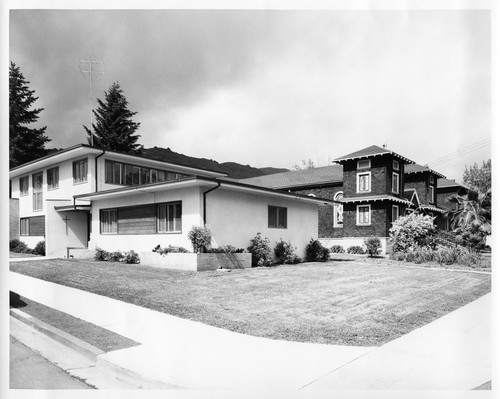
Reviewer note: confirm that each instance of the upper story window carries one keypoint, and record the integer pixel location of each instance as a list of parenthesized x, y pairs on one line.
[(24, 185), (432, 180), (364, 164), (395, 165), (277, 217), (80, 170), (37, 191), (338, 211), (431, 194), (53, 178), (395, 182), (133, 175), (363, 182), (169, 218), (363, 215)]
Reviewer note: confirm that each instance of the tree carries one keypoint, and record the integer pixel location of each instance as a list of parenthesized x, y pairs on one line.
[(309, 164), (474, 209), (478, 178), (25, 143), (114, 128)]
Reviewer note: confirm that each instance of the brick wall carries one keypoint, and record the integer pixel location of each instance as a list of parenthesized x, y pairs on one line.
[(380, 220), (13, 218)]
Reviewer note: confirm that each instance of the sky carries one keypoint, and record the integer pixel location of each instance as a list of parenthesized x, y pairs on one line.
[(270, 88)]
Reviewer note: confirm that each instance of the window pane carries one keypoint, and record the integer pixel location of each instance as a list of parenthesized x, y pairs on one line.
[(108, 167), (178, 217), (162, 224), (281, 217), (272, 216), (135, 175), (154, 176), (117, 167), (144, 176), (128, 175), (161, 175)]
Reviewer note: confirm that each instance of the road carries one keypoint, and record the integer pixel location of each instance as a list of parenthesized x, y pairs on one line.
[(29, 370)]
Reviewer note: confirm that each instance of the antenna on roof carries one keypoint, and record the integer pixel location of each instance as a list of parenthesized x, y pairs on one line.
[(88, 67), (385, 144)]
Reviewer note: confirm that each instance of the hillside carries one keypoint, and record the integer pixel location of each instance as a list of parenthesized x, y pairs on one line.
[(233, 169)]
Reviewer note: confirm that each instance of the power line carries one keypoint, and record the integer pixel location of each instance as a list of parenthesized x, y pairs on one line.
[(89, 65), (462, 151)]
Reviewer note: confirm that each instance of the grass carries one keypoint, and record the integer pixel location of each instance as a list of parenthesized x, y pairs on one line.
[(21, 255), (97, 336), (346, 303)]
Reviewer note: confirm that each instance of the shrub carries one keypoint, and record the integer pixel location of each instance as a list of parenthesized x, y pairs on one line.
[(200, 237), (261, 251), (116, 256), (101, 255), (355, 249), (412, 231), (285, 253), (131, 257), (443, 256), (226, 249), (39, 248), (337, 249), (373, 246), (14, 243), (170, 249), (315, 252), (470, 236), (19, 247)]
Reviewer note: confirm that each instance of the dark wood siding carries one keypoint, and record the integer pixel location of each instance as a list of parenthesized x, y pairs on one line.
[(137, 219), (37, 226)]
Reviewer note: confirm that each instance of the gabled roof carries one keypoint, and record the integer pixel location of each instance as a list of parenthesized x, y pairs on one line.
[(370, 152), (299, 178), (411, 195), (416, 168), (445, 183)]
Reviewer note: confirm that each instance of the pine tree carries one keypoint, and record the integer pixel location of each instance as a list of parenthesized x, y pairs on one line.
[(25, 144), (113, 128)]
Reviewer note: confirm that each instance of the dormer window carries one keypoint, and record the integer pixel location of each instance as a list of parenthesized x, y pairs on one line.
[(364, 164)]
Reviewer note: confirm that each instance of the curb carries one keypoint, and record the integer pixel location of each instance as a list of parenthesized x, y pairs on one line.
[(83, 348)]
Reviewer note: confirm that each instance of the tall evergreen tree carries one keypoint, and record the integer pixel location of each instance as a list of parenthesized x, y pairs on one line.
[(113, 128), (25, 143)]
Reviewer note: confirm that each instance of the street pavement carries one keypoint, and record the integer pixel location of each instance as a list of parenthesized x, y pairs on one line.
[(450, 353)]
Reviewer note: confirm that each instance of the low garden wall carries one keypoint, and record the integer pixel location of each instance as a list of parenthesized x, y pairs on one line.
[(197, 262)]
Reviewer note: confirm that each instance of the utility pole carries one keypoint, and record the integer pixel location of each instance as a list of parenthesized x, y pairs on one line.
[(87, 67)]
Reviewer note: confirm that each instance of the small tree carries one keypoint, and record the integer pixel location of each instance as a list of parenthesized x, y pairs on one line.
[(373, 246), (478, 178), (315, 252), (412, 231), (284, 252), (261, 251), (113, 128), (200, 237)]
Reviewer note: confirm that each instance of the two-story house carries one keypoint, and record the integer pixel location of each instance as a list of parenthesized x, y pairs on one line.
[(86, 197)]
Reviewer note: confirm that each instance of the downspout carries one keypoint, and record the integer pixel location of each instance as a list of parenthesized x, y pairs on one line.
[(95, 169), (205, 202)]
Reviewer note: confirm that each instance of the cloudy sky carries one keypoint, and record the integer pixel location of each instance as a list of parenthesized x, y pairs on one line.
[(269, 88)]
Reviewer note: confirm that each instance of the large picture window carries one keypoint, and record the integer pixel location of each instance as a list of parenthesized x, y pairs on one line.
[(52, 178), (169, 218), (24, 185), (109, 221), (134, 175), (363, 215), (338, 210), (277, 217), (363, 182), (37, 191), (80, 170)]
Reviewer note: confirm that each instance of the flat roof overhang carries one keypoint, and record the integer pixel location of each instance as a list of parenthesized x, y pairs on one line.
[(73, 208)]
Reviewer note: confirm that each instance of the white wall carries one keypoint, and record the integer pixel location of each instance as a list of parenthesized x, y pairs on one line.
[(236, 217), (191, 216)]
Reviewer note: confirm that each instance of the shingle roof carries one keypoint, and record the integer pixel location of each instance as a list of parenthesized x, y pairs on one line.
[(298, 178), (416, 168), (441, 183), (370, 151)]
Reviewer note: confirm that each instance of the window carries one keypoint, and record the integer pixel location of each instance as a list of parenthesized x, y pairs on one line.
[(24, 185), (37, 191), (363, 215), (395, 182), (338, 211), (169, 218), (80, 171), (432, 180), (395, 165), (25, 226), (52, 178), (364, 164), (363, 182), (277, 217), (395, 213), (431, 194), (109, 221)]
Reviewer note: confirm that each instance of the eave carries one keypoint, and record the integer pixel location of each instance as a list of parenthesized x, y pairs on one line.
[(375, 198)]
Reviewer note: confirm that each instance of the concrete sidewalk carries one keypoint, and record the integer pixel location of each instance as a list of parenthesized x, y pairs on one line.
[(450, 353)]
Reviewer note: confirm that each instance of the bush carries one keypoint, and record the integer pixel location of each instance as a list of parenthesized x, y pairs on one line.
[(412, 231), (337, 249), (226, 249), (101, 255), (200, 237), (19, 247), (315, 252), (470, 236), (261, 251), (131, 257), (39, 248), (443, 256), (355, 249), (14, 243), (285, 253), (170, 250), (373, 246), (116, 256)]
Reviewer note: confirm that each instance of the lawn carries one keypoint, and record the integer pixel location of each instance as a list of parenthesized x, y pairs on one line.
[(345, 303)]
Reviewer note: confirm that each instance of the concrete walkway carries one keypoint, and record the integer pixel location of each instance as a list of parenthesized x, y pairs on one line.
[(450, 353)]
